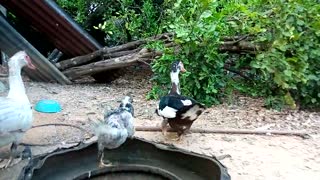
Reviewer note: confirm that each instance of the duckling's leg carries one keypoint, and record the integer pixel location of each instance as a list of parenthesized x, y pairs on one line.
[(13, 150), (164, 126), (101, 156), (103, 163), (26, 153)]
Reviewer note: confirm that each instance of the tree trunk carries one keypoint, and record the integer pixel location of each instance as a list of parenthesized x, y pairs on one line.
[(106, 51), (109, 64)]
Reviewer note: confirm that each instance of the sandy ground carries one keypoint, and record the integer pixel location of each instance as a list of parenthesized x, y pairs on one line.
[(253, 157)]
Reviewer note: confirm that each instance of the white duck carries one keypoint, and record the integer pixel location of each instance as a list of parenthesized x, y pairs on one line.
[(15, 109)]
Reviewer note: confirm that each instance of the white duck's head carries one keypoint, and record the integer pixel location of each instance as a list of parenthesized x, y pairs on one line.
[(19, 60)]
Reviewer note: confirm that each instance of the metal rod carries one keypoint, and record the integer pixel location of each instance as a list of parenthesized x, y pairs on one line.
[(302, 134)]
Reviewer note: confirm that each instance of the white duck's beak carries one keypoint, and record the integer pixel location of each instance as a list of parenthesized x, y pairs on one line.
[(29, 64)]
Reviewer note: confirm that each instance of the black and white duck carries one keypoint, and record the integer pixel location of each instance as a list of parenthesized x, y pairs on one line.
[(178, 111), (116, 127)]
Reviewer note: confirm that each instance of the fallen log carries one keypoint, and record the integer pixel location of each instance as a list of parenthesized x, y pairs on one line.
[(236, 38), (106, 51), (241, 46), (120, 53), (113, 63), (302, 134)]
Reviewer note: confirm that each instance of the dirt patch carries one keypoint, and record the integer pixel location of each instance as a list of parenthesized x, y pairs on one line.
[(252, 157)]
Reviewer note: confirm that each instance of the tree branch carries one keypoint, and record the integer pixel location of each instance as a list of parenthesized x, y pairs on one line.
[(113, 63), (80, 60), (235, 41), (237, 72)]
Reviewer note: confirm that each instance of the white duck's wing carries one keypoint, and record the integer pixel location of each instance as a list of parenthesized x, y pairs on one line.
[(14, 116)]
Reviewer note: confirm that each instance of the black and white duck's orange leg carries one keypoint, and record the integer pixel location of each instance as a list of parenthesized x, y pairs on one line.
[(164, 126), (179, 134), (13, 152), (182, 132), (187, 130)]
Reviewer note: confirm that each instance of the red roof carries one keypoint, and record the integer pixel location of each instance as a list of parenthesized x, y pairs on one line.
[(50, 19)]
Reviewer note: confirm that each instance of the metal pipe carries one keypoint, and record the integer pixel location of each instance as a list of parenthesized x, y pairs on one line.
[(11, 42)]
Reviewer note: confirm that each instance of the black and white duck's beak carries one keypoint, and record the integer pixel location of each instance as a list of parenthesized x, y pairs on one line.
[(182, 69)]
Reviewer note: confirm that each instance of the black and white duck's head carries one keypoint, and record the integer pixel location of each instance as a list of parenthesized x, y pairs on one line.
[(126, 103), (176, 68)]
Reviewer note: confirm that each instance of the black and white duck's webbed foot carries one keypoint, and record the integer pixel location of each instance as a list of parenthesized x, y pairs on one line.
[(164, 127), (181, 134), (173, 137), (179, 138), (187, 131), (13, 152)]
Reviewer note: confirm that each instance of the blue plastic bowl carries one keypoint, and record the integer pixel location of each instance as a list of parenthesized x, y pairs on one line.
[(48, 106)]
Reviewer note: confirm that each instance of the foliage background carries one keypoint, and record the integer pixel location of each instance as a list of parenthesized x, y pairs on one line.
[(285, 72)]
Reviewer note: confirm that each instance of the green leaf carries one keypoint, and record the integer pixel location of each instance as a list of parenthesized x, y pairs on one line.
[(288, 73), (171, 26), (205, 14)]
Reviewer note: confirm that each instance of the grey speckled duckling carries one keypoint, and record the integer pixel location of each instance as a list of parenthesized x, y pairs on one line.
[(116, 127)]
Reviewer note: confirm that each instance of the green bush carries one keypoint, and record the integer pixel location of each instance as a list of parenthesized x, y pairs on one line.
[(78, 9), (287, 71), (132, 20)]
